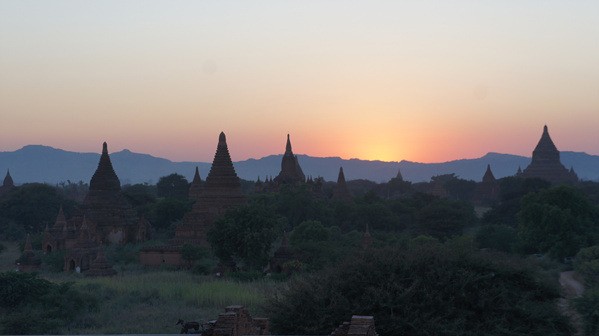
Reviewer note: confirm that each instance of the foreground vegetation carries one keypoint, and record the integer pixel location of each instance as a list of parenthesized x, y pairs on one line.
[(148, 302), (431, 265)]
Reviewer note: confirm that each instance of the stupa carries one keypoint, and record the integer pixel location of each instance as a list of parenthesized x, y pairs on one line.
[(291, 172), (105, 207), (546, 163), (7, 185), (340, 192), (220, 192), (487, 191)]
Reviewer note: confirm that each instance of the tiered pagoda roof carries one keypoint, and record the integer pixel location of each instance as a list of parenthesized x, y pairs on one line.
[(106, 207), (220, 192), (546, 163), (291, 172)]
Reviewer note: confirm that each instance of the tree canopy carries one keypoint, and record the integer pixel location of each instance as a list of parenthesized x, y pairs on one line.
[(559, 221), (423, 289)]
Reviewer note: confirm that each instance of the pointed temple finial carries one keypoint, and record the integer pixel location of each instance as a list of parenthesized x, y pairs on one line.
[(340, 191), (196, 176), (222, 138), (399, 177), (288, 146), (489, 177), (545, 130), (104, 148), (341, 176)]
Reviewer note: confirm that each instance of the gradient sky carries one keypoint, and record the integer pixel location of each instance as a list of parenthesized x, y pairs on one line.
[(425, 81)]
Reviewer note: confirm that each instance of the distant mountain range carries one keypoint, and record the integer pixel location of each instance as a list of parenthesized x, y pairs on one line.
[(37, 163)]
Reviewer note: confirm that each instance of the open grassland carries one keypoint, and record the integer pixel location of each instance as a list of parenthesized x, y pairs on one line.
[(152, 302), (143, 301)]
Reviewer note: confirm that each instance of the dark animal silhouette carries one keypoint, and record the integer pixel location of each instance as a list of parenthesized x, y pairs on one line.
[(186, 326)]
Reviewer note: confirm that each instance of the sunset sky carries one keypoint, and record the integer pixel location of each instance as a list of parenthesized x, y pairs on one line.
[(426, 81)]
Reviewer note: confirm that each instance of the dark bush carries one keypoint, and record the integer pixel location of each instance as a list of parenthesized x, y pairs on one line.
[(423, 289)]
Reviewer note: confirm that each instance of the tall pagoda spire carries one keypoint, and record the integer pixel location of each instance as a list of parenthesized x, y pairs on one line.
[(291, 172), (196, 186), (288, 150), (220, 192), (341, 192), (222, 176), (105, 178)]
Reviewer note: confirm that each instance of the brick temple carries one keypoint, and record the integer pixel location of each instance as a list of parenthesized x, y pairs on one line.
[(105, 217), (220, 192), (546, 163)]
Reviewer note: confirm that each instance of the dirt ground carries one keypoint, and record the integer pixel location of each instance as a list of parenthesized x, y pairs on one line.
[(571, 288)]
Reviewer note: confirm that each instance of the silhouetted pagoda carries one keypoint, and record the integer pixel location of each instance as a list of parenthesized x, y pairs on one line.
[(291, 172), (546, 163), (195, 188), (7, 185), (340, 191), (221, 191), (487, 191), (106, 209)]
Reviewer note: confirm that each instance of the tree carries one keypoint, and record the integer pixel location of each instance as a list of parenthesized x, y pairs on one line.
[(168, 210), (498, 237), (173, 186), (33, 206), (423, 289), (444, 218), (559, 221), (246, 234), (29, 305), (512, 189)]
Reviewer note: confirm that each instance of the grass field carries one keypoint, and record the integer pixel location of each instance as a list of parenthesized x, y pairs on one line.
[(151, 301)]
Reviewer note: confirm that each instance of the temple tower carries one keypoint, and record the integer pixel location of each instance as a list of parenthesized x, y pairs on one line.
[(221, 191), (546, 163), (195, 187), (8, 184), (340, 192), (291, 172), (487, 191), (105, 207)]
